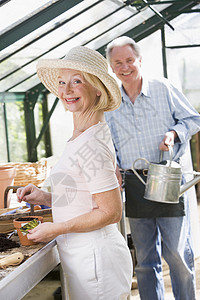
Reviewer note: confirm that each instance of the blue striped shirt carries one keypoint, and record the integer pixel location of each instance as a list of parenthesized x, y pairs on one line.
[(138, 129)]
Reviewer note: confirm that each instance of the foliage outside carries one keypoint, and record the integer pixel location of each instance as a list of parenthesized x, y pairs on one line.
[(17, 133)]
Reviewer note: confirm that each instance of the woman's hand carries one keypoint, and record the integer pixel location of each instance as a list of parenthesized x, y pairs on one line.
[(33, 195), (168, 140), (45, 232)]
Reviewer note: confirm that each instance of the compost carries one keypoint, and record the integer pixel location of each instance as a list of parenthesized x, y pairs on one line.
[(6, 244)]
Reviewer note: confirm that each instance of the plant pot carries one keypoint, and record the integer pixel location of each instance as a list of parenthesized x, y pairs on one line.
[(7, 175), (19, 222)]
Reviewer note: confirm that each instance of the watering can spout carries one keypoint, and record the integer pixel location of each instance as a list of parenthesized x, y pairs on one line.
[(189, 184)]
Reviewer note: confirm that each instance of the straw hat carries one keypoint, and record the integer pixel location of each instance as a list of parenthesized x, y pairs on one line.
[(82, 59)]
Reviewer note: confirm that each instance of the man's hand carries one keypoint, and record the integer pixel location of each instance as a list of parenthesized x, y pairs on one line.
[(168, 140)]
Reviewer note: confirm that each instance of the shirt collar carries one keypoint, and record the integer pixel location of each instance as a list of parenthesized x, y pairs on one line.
[(145, 87), (144, 91)]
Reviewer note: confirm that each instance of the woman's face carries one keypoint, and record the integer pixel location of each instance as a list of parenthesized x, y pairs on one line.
[(77, 94)]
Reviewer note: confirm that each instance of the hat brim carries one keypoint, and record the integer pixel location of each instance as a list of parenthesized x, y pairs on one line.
[(48, 70)]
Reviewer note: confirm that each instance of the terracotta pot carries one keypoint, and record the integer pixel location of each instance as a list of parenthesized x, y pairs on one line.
[(19, 222), (7, 175)]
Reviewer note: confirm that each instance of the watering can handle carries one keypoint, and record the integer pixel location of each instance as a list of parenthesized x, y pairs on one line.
[(135, 172), (170, 154)]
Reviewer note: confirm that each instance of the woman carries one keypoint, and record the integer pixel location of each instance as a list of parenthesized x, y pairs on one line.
[(85, 195)]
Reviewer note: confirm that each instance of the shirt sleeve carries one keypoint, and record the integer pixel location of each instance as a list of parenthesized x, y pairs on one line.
[(187, 118), (99, 170)]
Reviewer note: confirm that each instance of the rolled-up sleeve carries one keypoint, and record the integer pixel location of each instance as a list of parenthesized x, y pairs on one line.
[(186, 117)]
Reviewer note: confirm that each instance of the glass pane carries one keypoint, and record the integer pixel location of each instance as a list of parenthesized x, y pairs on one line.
[(91, 27), (16, 10), (17, 77), (26, 84), (3, 149), (58, 36), (66, 16), (16, 131), (187, 30), (184, 62), (151, 48), (38, 125), (184, 69)]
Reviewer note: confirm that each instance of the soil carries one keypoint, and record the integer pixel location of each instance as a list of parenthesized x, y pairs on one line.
[(27, 251), (6, 244), (26, 219)]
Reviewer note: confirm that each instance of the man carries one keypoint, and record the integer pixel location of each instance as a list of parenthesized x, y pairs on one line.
[(153, 115)]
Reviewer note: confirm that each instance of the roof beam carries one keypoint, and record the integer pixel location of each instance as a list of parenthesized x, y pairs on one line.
[(154, 23), (158, 14), (35, 21), (2, 2), (52, 28), (154, 2), (150, 25), (57, 45), (183, 46)]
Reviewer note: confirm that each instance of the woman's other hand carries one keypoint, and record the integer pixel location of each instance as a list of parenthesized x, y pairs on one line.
[(45, 232), (33, 195)]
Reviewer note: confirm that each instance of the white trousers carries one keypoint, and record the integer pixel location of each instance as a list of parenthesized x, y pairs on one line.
[(97, 265)]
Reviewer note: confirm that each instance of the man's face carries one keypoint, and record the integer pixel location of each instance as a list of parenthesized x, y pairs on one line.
[(125, 64)]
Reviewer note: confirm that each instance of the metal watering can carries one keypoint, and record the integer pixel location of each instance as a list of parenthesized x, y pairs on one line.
[(164, 180)]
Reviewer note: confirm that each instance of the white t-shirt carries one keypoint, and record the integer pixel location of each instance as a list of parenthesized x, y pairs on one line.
[(86, 167)]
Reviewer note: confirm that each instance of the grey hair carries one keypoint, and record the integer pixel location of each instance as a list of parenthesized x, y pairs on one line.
[(122, 41)]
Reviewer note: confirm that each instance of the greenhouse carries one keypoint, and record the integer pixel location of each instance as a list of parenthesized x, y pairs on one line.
[(34, 126)]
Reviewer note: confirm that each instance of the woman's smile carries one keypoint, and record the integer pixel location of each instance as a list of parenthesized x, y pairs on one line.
[(72, 100)]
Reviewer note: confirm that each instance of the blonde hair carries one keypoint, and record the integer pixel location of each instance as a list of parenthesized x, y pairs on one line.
[(103, 100)]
